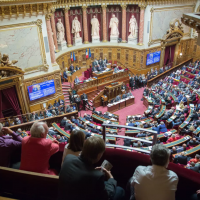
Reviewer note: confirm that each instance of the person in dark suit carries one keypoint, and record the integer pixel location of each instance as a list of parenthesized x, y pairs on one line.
[(68, 126), (71, 68), (78, 101), (80, 180), (65, 75), (118, 98), (194, 116), (181, 159), (63, 122), (161, 128), (123, 87), (99, 69), (100, 61), (85, 100), (61, 101), (193, 167), (94, 68), (193, 97), (87, 117), (124, 96), (132, 83), (180, 149), (173, 151), (56, 104)]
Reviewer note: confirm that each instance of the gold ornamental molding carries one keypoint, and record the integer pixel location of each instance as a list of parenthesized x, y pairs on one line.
[(38, 24), (153, 10)]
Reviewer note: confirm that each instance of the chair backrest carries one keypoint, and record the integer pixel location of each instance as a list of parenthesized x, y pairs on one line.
[(28, 185)]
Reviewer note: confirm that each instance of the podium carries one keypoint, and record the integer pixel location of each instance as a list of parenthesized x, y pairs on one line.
[(113, 90)]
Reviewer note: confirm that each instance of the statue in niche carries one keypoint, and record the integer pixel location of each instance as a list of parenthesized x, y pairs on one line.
[(133, 27), (95, 26), (76, 27), (5, 61), (60, 31), (114, 26)]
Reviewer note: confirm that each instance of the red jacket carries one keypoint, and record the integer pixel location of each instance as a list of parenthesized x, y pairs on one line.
[(36, 153), (171, 139)]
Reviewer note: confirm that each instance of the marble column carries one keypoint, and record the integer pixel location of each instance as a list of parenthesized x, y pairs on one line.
[(67, 28), (104, 23), (53, 26), (141, 28), (50, 38), (85, 27), (123, 23)]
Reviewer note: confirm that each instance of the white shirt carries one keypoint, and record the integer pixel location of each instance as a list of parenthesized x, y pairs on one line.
[(154, 183)]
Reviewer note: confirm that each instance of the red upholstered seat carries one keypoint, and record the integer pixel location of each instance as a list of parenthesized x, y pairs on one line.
[(86, 74), (110, 61)]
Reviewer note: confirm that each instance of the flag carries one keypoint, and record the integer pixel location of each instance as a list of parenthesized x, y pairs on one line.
[(71, 57), (74, 57), (89, 53), (86, 54)]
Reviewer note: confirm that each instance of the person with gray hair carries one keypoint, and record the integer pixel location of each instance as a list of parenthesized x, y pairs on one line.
[(155, 182), (37, 150)]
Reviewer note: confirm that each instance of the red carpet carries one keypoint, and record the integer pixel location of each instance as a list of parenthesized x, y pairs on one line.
[(137, 108)]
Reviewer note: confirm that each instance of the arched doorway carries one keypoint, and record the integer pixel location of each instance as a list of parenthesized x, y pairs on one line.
[(170, 43)]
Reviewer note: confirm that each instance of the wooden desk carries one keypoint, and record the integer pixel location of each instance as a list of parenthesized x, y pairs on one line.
[(114, 108), (77, 73), (103, 74), (130, 102), (146, 101), (122, 104)]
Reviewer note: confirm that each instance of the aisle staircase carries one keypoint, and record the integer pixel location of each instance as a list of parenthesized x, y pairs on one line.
[(65, 88)]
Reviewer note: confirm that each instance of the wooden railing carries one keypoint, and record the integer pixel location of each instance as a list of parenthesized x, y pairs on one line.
[(57, 119), (168, 72)]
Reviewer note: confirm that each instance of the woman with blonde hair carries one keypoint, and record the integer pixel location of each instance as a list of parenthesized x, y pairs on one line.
[(75, 144)]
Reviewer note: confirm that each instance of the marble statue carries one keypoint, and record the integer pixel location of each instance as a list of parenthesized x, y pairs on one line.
[(76, 27), (95, 26), (60, 31), (114, 26), (133, 27)]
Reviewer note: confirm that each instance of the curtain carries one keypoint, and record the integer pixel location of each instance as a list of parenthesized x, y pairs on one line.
[(59, 14), (117, 11), (1, 107), (167, 55), (172, 51), (76, 12), (97, 11), (11, 97), (135, 11)]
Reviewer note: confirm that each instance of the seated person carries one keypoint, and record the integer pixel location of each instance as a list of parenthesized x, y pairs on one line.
[(181, 159), (68, 126), (181, 148), (56, 104), (10, 142), (148, 179), (173, 151), (37, 150), (123, 87), (161, 128), (17, 121), (75, 121), (76, 170), (99, 68), (69, 109), (75, 145), (172, 138), (196, 159), (137, 144), (87, 117), (193, 142), (193, 167), (52, 132), (65, 74), (124, 96), (154, 112), (63, 122), (118, 98), (61, 138), (142, 134), (193, 97), (129, 94), (76, 80), (116, 69), (71, 69), (61, 102), (50, 106)]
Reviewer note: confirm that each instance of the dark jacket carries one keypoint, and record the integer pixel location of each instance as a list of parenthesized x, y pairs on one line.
[(79, 180)]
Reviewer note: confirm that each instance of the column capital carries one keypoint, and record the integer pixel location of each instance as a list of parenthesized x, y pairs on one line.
[(84, 7), (66, 9), (48, 16), (104, 6), (53, 10), (124, 6), (142, 6)]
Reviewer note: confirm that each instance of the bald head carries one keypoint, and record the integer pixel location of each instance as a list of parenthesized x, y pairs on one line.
[(39, 130)]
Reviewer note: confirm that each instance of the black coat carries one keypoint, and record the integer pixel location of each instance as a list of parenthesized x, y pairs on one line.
[(79, 180)]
